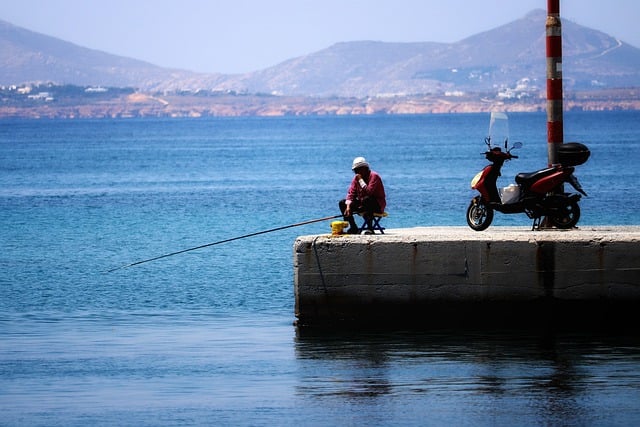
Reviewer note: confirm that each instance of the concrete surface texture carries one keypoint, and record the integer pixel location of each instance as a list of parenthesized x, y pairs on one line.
[(446, 270)]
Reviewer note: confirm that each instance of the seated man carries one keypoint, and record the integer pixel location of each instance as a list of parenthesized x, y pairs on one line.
[(365, 195)]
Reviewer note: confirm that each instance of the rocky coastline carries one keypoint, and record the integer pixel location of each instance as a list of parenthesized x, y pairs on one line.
[(137, 105)]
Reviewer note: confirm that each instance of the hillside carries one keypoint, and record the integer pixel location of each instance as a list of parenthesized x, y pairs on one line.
[(26, 56), (509, 57)]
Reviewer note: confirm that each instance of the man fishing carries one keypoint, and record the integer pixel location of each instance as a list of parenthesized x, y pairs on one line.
[(365, 196)]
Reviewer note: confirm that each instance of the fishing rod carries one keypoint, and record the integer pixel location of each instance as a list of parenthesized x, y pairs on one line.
[(298, 224)]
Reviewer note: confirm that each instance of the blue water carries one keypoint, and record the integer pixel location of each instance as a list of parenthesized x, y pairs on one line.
[(207, 337)]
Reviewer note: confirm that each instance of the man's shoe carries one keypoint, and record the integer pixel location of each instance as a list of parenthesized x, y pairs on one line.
[(353, 231)]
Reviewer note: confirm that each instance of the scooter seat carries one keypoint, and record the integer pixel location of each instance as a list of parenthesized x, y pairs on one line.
[(526, 178)]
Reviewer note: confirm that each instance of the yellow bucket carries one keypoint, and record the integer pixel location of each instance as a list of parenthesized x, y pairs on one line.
[(337, 227)]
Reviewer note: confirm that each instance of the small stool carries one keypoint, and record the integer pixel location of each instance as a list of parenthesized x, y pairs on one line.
[(374, 224)]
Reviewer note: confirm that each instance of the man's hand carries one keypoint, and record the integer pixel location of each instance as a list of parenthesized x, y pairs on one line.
[(347, 210)]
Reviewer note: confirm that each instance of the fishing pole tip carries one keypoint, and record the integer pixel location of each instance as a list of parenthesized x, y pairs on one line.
[(111, 270)]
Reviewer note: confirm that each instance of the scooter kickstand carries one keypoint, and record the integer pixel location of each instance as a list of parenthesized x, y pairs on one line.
[(536, 224)]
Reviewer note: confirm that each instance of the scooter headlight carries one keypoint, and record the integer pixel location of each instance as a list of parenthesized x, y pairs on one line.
[(475, 180)]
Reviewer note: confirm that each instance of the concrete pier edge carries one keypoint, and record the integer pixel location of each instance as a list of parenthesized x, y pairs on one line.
[(456, 276)]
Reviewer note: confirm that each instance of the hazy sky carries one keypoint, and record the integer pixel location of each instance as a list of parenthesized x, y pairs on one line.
[(235, 36)]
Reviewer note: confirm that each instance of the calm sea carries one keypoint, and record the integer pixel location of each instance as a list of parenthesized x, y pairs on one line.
[(207, 337)]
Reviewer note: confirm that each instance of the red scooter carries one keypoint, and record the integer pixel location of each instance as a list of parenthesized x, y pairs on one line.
[(538, 194)]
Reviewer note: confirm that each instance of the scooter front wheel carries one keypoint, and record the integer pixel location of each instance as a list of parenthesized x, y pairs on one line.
[(479, 215)]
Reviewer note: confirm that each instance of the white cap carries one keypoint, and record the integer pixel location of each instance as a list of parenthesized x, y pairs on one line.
[(359, 162)]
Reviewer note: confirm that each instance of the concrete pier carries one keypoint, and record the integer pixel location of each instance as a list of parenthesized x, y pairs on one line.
[(454, 275)]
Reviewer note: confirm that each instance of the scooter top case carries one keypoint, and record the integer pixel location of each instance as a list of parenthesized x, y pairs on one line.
[(573, 154)]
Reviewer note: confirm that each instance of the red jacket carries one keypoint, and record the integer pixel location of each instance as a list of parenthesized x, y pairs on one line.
[(373, 188)]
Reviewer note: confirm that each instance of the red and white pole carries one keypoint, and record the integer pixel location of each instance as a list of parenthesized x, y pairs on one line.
[(555, 133)]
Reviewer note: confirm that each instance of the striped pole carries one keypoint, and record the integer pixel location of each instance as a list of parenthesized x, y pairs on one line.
[(555, 134)]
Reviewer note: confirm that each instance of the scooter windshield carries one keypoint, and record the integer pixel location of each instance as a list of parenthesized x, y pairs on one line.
[(499, 129)]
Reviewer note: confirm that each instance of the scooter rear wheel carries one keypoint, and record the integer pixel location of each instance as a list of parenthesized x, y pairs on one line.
[(567, 217), (479, 215)]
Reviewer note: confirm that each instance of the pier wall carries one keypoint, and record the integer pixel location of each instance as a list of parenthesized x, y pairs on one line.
[(453, 274)]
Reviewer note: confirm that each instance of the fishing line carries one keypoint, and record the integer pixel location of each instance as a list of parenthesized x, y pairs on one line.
[(298, 224)]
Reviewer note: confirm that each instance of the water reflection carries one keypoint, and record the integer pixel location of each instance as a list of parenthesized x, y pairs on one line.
[(543, 377)]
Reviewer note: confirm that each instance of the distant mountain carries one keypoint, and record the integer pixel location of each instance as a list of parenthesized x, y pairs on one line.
[(509, 56), (26, 56), (501, 57)]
